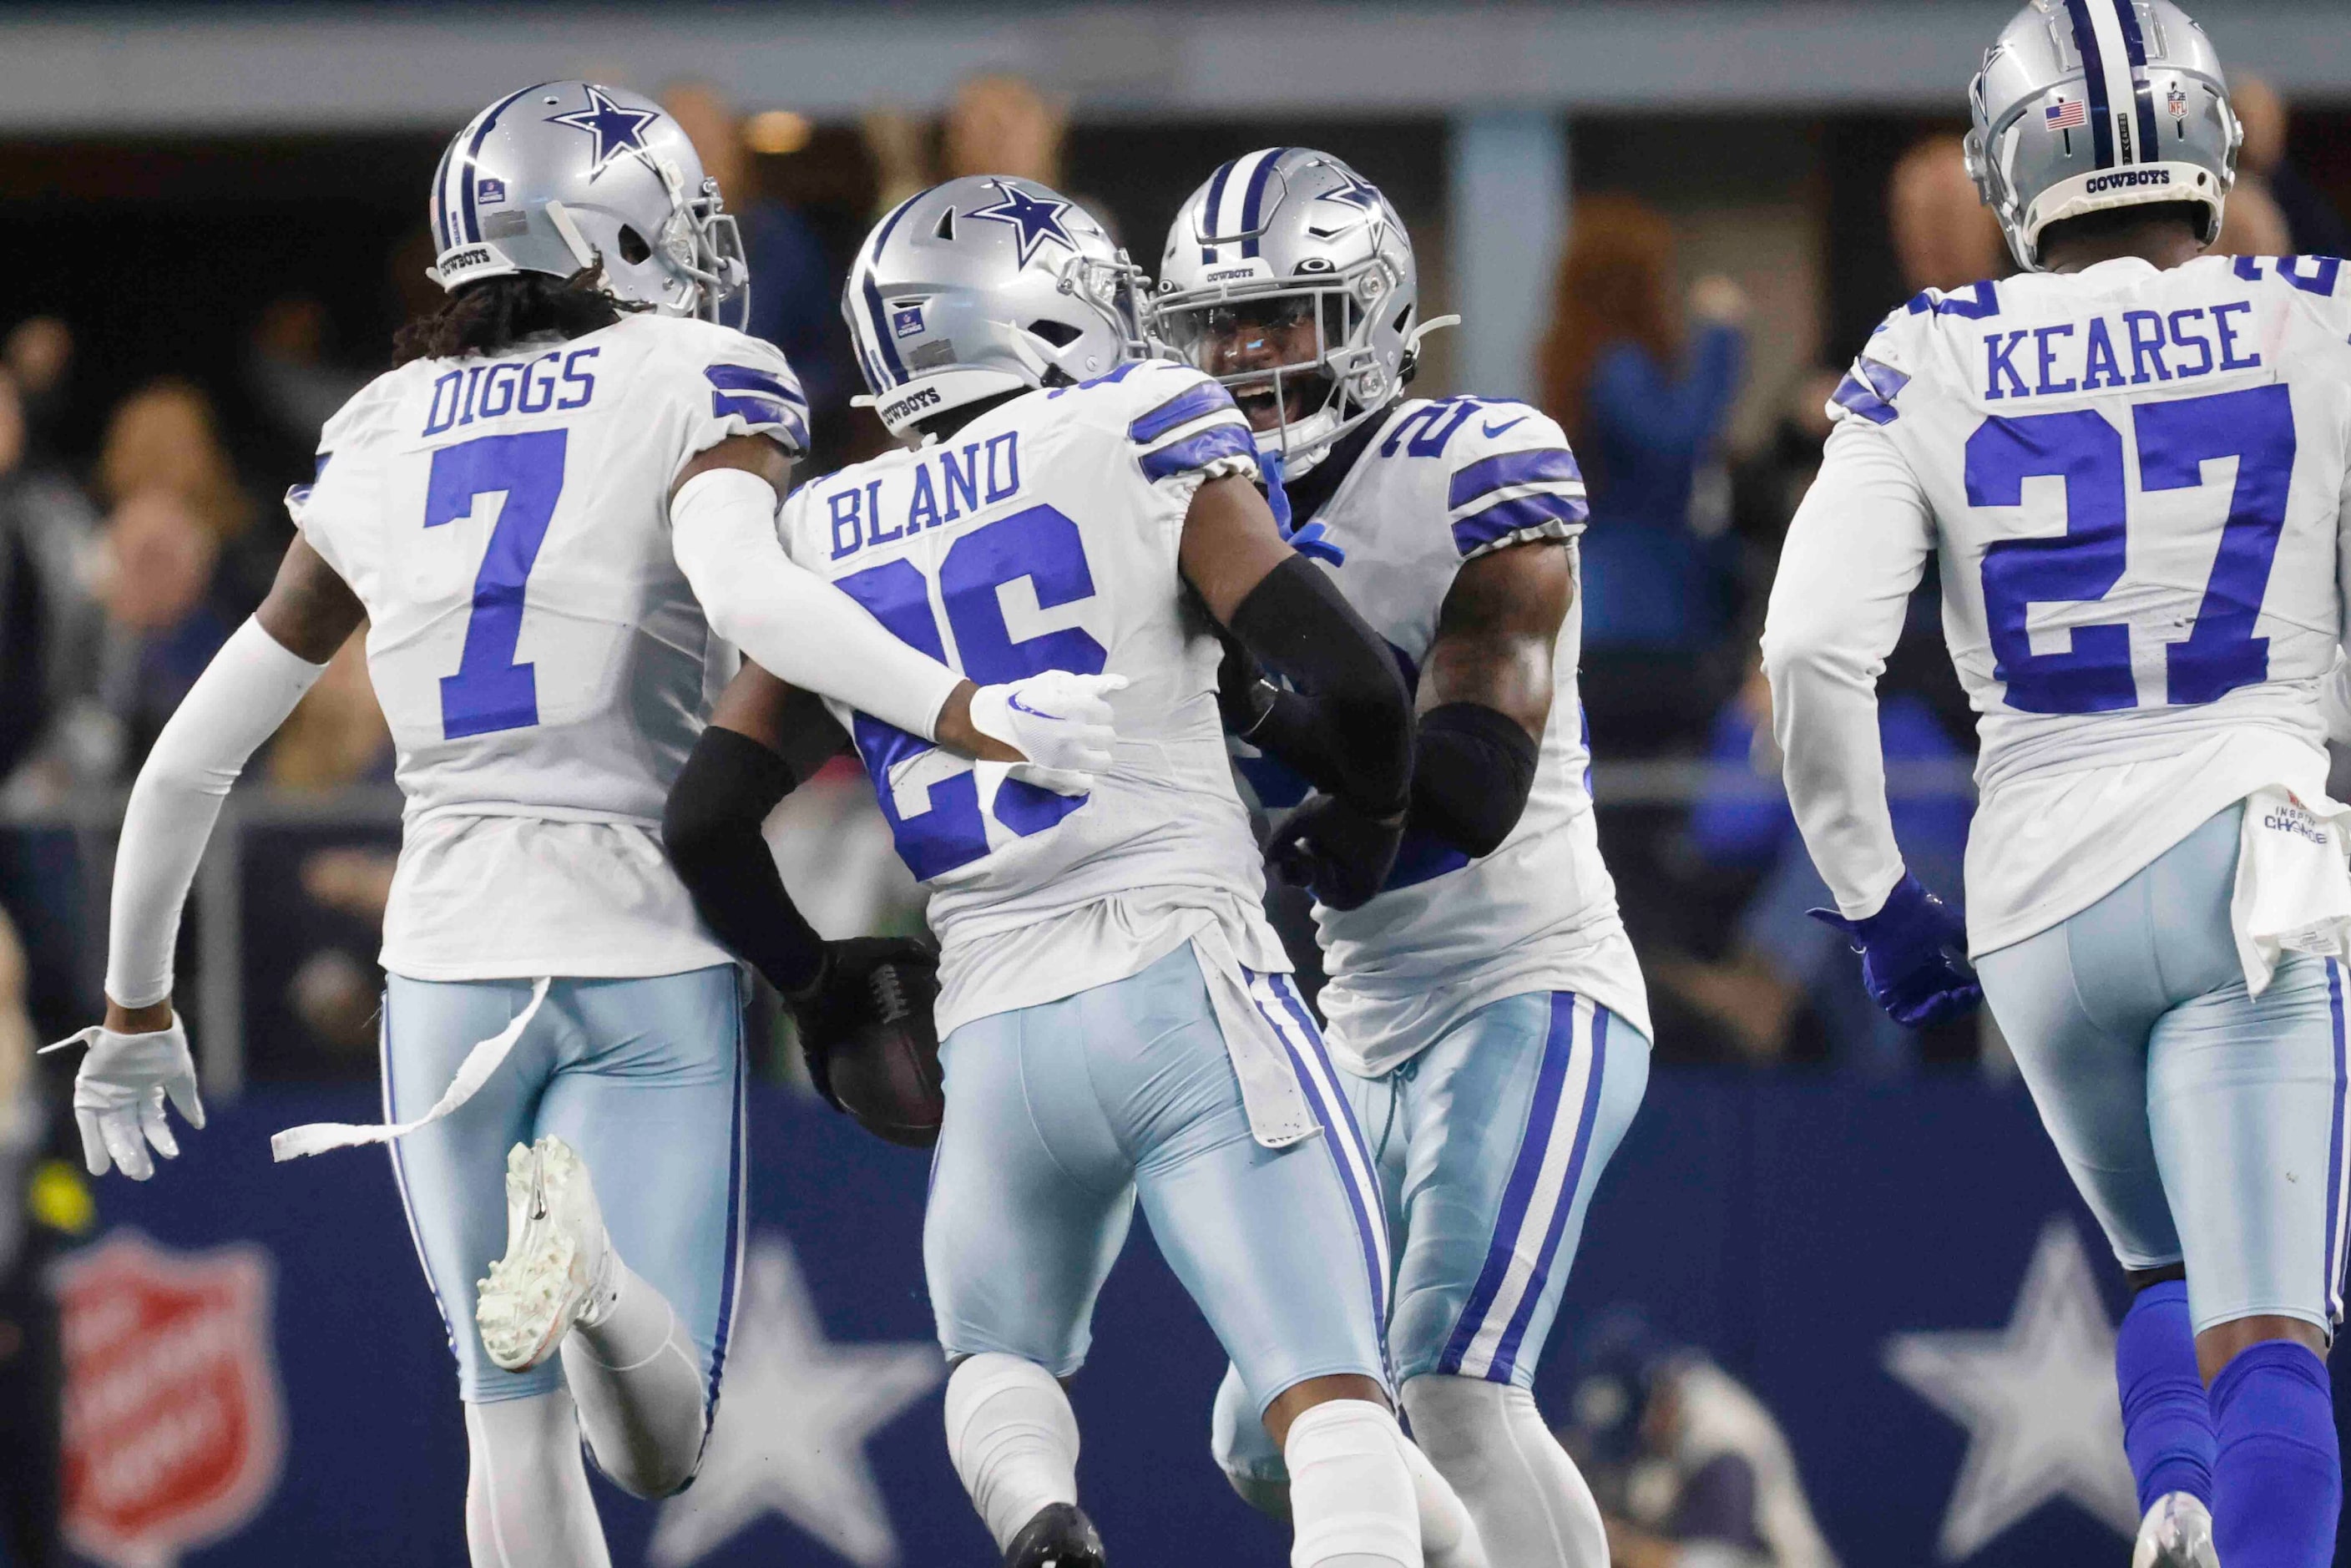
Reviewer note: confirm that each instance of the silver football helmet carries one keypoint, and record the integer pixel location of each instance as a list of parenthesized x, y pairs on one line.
[(1279, 241), (2087, 105), (570, 174), (986, 285)]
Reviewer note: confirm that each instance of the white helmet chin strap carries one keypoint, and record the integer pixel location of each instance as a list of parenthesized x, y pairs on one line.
[(1435, 323), (573, 240)]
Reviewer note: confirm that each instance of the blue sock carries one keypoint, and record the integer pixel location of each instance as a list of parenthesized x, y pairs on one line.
[(2277, 1474), (2166, 1424)]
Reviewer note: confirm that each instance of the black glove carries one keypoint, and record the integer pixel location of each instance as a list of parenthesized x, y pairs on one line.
[(1244, 695), (1341, 852), (843, 998)]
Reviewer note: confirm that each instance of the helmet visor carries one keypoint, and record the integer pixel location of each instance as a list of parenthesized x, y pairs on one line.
[(1273, 351)]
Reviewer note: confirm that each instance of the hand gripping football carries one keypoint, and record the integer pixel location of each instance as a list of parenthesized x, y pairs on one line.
[(886, 1068)]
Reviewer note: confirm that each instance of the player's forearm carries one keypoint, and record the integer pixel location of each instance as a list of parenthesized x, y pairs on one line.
[(244, 694), (1348, 724), (795, 625), (1826, 720), (1854, 553), (711, 828)]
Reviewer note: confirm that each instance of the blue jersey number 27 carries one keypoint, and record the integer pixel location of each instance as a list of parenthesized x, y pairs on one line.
[(2176, 439), (490, 692), (1040, 544)]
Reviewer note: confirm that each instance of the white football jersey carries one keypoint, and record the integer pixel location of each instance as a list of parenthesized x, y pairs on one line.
[(1043, 534), (538, 656), (2135, 482), (1440, 483)]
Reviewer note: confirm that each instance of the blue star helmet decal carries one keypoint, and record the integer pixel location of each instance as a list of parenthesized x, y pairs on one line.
[(1354, 194), (617, 130), (1036, 219)]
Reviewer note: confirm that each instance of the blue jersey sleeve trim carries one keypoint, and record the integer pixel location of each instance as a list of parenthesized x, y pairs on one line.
[(1195, 402), (758, 398), (1540, 512), (1870, 391), (1550, 464), (1199, 450)]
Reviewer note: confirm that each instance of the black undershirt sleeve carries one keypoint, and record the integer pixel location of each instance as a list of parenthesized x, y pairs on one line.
[(711, 828), (1348, 724), (1471, 774)]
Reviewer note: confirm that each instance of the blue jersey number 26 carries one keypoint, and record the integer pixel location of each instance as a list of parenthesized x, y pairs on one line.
[(490, 692), (2176, 439), (1040, 544)]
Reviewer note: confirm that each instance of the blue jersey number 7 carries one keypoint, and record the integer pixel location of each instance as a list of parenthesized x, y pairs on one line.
[(490, 692), (2176, 439)]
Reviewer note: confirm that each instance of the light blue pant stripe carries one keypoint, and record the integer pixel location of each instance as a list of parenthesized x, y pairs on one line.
[(1349, 1153), (1519, 1194), (730, 1280), (2336, 1206), (400, 1172), (1506, 1354)]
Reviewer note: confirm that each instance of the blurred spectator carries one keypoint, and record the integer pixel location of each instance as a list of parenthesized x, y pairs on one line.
[(900, 147), (165, 438), (1645, 411), (2313, 226), (155, 566), (1780, 961), (1690, 1468), (293, 382), (995, 124), (335, 736), (2253, 225), (1003, 125), (795, 297), (43, 1199), (38, 356), (45, 613), (1944, 236)]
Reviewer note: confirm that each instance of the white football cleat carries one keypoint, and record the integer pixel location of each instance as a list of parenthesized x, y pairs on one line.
[(559, 1269), (2176, 1533)]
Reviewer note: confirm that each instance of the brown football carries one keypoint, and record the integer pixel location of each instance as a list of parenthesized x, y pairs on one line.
[(887, 1074)]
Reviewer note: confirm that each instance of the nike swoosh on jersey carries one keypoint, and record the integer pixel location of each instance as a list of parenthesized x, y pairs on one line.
[(1494, 430)]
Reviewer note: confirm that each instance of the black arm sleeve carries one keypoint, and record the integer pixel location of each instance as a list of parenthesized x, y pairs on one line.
[(711, 828), (1471, 774), (1348, 727)]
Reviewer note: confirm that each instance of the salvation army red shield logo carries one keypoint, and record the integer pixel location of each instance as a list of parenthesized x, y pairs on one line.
[(175, 1430)]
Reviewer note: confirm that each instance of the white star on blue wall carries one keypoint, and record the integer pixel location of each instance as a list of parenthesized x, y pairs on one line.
[(1037, 220), (617, 130), (2037, 1398)]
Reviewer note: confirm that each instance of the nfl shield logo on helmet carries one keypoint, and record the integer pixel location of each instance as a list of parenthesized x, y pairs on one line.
[(906, 320), (2177, 102), (174, 1428)]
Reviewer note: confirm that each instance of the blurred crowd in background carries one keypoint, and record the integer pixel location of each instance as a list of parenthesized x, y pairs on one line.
[(138, 528)]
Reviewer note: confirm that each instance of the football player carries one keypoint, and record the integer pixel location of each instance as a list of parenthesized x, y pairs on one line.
[(1486, 1008), (2131, 461), (1117, 1015), (546, 516)]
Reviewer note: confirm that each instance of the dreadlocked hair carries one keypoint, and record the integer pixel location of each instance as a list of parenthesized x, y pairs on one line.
[(496, 313)]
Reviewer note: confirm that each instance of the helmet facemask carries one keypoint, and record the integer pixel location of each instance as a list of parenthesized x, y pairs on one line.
[(1297, 354), (1119, 291), (700, 247)]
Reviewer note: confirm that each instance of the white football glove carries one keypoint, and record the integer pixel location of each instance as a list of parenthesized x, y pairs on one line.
[(118, 1096), (1061, 722)]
